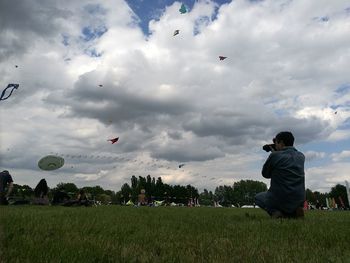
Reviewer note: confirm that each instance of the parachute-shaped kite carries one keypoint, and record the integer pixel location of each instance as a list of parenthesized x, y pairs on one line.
[(114, 140), (222, 57), (176, 32), (183, 9), (13, 86), (181, 165), (51, 162)]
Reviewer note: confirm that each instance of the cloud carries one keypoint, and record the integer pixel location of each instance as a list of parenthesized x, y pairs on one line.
[(312, 155), (337, 157), (324, 177)]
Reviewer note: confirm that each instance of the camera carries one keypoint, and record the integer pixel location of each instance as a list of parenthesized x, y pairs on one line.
[(267, 147)]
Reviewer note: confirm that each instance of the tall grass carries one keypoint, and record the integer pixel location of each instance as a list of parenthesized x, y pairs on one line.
[(169, 234)]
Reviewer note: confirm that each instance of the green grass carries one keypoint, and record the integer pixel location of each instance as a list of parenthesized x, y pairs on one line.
[(169, 234)]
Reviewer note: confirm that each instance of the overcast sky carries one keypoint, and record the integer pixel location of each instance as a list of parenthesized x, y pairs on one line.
[(89, 71)]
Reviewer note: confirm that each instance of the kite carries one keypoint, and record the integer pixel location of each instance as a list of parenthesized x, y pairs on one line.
[(51, 162), (222, 57), (176, 32), (183, 9), (114, 140), (181, 165), (16, 66), (100, 85), (14, 86), (335, 112)]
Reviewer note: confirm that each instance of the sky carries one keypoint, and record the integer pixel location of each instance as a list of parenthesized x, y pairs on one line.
[(91, 70)]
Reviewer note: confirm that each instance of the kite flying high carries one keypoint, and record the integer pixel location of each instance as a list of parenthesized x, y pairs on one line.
[(13, 86), (183, 9), (114, 140), (51, 162), (176, 32), (222, 57)]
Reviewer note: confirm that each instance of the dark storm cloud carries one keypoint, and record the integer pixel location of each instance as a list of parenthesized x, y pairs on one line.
[(186, 154), (240, 129), (23, 22), (114, 104)]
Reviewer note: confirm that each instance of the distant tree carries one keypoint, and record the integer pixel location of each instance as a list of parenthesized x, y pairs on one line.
[(339, 190), (224, 195), (321, 197), (22, 191), (180, 194), (206, 198), (310, 196), (125, 193), (93, 191), (68, 188), (159, 189), (133, 182), (244, 191), (141, 184), (104, 198)]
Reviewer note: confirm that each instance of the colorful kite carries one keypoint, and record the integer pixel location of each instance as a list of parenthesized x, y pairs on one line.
[(114, 140), (13, 86), (51, 162), (183, 9), (222, 57), (176, 32)]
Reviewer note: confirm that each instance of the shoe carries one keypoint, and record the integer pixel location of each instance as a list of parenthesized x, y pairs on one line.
[(277, 214), (299, 212)]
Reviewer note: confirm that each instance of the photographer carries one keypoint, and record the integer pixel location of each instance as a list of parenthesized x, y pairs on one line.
[(6, 186), (285, 168)]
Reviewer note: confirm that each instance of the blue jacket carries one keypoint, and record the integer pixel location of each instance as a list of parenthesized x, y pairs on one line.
[(286, 170)]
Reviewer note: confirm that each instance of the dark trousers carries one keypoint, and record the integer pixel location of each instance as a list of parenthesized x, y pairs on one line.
[(3, 200)]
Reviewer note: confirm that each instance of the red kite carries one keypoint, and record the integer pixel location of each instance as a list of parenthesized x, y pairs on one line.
[(114, 140)]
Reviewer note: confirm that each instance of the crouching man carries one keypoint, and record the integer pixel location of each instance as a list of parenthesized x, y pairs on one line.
[(6, 186), (285, 168)]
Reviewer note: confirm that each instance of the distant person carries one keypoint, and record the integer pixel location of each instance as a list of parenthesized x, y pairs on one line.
[(318, 205), (41, 193), (6, 186), (285, 168), (142, 199)]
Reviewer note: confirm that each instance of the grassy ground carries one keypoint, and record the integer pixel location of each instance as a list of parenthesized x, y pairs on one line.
[(169, 234)]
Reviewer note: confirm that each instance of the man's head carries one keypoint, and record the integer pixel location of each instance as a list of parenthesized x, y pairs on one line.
[(283, 139)]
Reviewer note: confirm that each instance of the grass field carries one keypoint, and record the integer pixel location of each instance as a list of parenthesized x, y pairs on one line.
[(170, 234)]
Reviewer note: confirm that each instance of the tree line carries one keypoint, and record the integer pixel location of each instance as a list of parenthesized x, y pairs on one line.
[(240, 193)]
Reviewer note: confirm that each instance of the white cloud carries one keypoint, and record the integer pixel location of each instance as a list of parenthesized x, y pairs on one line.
[(312, 155), (336, 157), (324, 177)]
